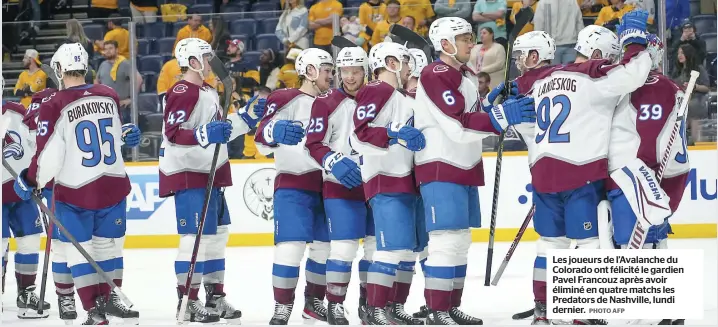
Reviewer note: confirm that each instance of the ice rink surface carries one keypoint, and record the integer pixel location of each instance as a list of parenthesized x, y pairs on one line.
[(150, 284)]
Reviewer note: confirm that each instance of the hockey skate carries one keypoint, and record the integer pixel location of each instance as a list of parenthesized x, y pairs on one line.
[(462, 318), (336, 314), (397, 316), (422, 314), (196, 312), (314, 310), (281, 314), (376, 316), (96, 315), (28, 304), (540, 314), (66, 305), (218, 304), (439, 318), (362, 311), (116, 308)]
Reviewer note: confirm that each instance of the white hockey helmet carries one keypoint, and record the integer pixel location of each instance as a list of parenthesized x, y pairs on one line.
[(192, 48), (353, 57), (380, 51), (312, 57), (448, 28), (69, 57), (420, 61), (594, 37), (538, 41), (655, 49)]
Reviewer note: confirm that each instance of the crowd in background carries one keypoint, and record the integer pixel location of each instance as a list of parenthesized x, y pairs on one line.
[(301, 25)]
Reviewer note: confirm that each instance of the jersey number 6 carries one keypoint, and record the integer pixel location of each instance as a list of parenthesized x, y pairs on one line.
[(543, 119), (90, 140)]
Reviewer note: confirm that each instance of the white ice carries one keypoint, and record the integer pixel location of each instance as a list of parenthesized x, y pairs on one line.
[(150, 283)]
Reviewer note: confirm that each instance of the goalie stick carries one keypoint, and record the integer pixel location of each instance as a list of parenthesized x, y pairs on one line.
[(226, 80), (523, 17), (639, 233)]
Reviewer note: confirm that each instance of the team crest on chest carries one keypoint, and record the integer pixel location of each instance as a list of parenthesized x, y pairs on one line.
[(179, 88), (441, 68)]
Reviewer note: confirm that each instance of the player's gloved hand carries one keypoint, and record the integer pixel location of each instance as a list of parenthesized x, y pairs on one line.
[(344, 169), (215, 132), (632, 28), (257, 111), (131, 135), (22, 187), (488, 102), (406, 136), (512, 112), (283, 132)]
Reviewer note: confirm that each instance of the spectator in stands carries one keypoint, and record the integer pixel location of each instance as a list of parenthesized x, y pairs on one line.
[(521, 5), (408, 22), (32, 80), (421, 10), (686, 61), (490, 13), (102, 9), (489, 57), (117, 33), (268, 69), (321, 20), (288, 77), (371, 13), (453, 8), (194, 28), (562, 20), (610, 16), (591, 8), (250, 148), (689, 36), (76, 34), (144, 11), (293, 25), (246, 76), (393, 16), (484, 82), (116, 72), (220, 36)]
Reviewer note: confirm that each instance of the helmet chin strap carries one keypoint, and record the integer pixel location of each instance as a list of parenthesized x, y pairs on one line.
[(456, 51), (397, 73), (201, 68)]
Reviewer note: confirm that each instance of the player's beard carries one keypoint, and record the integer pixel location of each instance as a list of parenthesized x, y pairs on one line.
[(352, 89)]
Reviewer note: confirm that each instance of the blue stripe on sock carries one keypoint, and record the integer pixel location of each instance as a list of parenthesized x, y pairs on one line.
[(383, 268), (364, 265), (440, 272), (27, 259), (315, 267), (107, 265), (285, 271), (82, 269), (119, 263), (182, 267), (460, 271), (406, 266), (423, 265), (540, 262), (211, 266), (60, 268), (339, 266)]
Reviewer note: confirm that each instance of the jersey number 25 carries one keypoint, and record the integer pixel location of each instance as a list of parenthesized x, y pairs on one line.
[(543, 119)]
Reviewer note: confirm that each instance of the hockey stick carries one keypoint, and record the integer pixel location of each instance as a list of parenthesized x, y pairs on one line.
[(4, 124), (107, 278), (221, 72), (523, 315), (51, 75), (45, 263), (410, 36), (514, 244), (522, 18), (342, 42), (639, 234)]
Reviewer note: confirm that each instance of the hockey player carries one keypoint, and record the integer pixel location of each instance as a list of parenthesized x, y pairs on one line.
[(385, 137), (81, 124), (18, 215), (193, 122), (450, 169), (568, 146), (299, 217), (346, 210)]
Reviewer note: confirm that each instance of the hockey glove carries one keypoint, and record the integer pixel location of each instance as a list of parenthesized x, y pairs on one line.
[(632, 28), (131, 135), (283, 132), (22, 187), (406, 136), (257, 112), (488, 102), (214, 132), (344, 169), (512, 112)]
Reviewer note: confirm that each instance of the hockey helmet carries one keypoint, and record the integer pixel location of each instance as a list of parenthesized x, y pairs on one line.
[(655, 49), (594, 37), (420, 61), (312, 57), (448, 28), (69, 57)]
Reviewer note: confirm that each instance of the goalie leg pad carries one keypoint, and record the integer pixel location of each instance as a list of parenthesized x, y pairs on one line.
[(623, 219), (643, 193), (346, 219), (539, 277), (285, 271), (299, 216)]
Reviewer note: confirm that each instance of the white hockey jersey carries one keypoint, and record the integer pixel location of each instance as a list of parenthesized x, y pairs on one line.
[(295, 167), (568, 144), (184, 163), (330, 127), (384, 168), (18, 147), (448, 113)]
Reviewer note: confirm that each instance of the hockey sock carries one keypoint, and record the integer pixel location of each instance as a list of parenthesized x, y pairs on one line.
[(422, 260), (84, 276), (182, 263), (26, 260), (285, 271), (316, 270), (404, 276), (105, 255), (365, 262), (381, 277), (61, 274), (539, 281), (119, 261), (440, 268), (460, 275), (339, 268), (214, 265)]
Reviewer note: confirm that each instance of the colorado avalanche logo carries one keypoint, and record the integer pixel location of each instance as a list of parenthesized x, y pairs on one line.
[(258, 193), (12, 146)]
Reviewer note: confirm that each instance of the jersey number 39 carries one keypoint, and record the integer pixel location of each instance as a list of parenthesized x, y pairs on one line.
[(90, 139), (543, 119)]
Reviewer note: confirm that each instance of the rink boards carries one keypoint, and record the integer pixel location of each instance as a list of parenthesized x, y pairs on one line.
[(151, 219)]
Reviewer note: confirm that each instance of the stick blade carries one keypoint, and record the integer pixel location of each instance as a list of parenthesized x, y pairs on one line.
[(342, 42), (523, 17), (51, 75), (414, 40)]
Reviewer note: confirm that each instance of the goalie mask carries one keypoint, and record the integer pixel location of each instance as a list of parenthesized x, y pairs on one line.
[(538, 41), (594, 37)]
